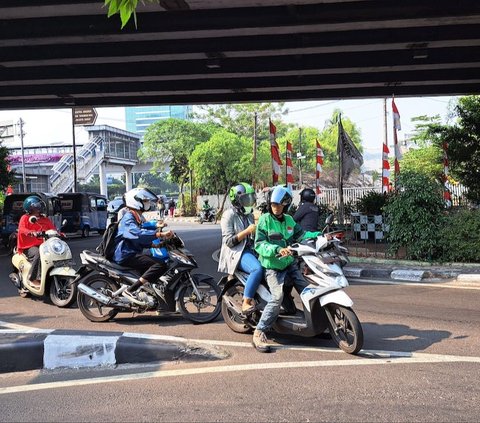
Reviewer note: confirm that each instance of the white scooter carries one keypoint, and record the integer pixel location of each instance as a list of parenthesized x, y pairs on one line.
[(58, 277), (325, 303)]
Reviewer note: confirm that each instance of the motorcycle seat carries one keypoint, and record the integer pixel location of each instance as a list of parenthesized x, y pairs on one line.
[(102, 260)]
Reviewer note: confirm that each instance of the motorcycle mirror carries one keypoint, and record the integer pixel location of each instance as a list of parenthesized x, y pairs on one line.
[(329, 219), (275, 236)]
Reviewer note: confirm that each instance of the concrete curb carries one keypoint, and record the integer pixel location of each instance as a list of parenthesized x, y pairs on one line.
[(21, 351)]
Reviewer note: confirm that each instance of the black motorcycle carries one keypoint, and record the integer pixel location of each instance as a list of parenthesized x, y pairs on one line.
[(207, 215), (103, 282)]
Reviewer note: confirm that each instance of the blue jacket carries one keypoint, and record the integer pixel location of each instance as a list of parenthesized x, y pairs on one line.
[(131, 239)]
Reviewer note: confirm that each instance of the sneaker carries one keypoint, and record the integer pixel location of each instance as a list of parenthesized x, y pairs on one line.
[(132, 297), (248, 307), (260, 341)]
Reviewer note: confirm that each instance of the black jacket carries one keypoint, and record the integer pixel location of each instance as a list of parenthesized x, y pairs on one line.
[(307, 216)]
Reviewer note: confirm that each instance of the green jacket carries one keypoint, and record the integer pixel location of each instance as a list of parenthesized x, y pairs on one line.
[(268, 248)]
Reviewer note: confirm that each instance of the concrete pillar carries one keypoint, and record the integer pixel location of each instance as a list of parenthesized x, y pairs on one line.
[(128, 177), (102, 174)]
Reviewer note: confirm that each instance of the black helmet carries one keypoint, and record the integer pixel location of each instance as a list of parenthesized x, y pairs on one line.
[(308, 195)]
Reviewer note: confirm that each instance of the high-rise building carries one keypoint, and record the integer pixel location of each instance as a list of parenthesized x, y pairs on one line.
[(138, 119)]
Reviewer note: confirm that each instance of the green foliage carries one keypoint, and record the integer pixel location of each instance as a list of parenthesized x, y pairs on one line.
[(460, 236), (7, 177), (426, 160), (171, 142), (415, 215), (463, 140), (188, 205), (157, 182), (222, 161), (371, 203), (125, 8)]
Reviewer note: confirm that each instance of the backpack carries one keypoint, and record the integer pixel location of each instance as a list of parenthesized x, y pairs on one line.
[(107, 246)]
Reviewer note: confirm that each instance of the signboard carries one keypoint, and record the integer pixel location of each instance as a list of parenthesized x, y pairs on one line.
[(84, 116), (6, 129)]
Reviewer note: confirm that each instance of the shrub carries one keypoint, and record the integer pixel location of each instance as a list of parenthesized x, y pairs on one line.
[(460, 236), (415, 214), (371, 203)]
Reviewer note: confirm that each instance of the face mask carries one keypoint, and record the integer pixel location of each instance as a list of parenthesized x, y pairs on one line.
[(146, 205)]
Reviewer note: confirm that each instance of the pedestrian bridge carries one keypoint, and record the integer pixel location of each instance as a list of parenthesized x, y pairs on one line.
[(106, 146)]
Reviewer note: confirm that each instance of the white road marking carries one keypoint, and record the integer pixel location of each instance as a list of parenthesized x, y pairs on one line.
[(375, 359), (14, 328)]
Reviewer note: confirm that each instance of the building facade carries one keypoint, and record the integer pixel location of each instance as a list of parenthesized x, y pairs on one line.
[(138, 119)]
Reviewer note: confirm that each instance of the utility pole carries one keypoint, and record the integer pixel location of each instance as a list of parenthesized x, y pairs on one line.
[(24, 177), (74, 188), (299, 156)]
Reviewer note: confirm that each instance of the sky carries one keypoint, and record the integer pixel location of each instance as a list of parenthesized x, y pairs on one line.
[(54, 126)]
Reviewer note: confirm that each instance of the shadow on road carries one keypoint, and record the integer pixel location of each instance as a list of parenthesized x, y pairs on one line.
[(397, 337)]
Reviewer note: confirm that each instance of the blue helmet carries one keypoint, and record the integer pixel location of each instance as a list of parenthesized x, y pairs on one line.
[(34, 203), (280, 195)]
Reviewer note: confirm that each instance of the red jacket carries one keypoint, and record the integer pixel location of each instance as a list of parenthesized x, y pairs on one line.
[(25, 228)]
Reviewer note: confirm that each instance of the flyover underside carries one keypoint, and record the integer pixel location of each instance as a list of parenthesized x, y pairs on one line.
[(57, 53)]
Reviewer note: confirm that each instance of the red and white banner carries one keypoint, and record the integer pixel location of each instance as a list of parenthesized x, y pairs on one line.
[(396, 127), (318, 169), (276, 161), (289, 165), (385, 169), (446, 191)]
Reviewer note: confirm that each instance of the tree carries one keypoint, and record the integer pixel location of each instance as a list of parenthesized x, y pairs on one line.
[(222, 161), (170, 143), (463, 139), (7, 176), (239, 119), (426, 160)]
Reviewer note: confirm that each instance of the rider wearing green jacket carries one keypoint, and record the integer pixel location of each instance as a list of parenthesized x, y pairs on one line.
[(276, 231)]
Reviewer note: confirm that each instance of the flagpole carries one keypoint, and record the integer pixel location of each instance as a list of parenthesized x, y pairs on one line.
[(286, 162), (340, 173)]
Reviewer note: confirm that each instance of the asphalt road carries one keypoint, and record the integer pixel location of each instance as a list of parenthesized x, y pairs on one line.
[(420, 362)]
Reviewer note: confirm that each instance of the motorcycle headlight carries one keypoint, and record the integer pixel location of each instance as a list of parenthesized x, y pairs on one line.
[(58, 247)]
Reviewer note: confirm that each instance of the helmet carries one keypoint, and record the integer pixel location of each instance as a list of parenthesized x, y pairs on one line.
[(34, 203), (139, 199), (243, 197), (280, 195), (308, 195)]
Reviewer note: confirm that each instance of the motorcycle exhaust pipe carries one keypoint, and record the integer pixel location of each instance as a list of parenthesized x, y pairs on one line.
[(98, 296), (15, 280)]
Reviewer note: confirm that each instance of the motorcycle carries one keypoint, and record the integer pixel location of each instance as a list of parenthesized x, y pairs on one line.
[(102, 283), (58, 277), (326, 306), (207, 215)]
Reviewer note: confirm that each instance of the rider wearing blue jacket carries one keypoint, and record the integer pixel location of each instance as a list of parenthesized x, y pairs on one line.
[(131, 239)]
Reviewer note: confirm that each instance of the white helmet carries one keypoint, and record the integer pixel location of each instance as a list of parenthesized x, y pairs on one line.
[(139, 199)]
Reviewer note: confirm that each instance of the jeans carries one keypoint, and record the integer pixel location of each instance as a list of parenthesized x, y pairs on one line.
[(250, 264), (275, 281)]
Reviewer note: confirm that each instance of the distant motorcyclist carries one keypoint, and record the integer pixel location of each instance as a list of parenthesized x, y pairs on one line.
[(307, 213), (207, 209), (131, 239), (30, 226)]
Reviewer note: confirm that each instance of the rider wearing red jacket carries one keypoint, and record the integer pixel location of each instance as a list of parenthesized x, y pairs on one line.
[(31, 224)]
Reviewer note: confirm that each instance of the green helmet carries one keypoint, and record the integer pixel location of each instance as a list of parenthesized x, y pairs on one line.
[(243, 197), (34, 202)]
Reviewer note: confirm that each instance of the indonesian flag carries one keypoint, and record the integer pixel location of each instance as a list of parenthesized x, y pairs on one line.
[(289, 165), (396, 127), (447, 197), (385, 169), (276, 161), (318, 169)]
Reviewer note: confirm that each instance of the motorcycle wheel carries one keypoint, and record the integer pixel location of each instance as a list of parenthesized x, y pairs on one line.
[(200, 310), (232, 321), (65, 296), (348, 333), (92, 309)]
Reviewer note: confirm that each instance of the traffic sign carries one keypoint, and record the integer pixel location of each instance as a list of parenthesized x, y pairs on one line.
[(84, 116)]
